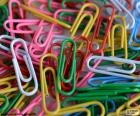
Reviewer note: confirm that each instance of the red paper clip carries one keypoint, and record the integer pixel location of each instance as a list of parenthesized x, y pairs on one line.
[(101, 21)]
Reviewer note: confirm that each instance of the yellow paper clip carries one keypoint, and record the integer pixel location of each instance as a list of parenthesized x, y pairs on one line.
[(45, 17), (81, 16), (44, 86), (123, 36)]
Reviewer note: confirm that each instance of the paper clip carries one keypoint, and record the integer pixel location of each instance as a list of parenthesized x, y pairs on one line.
[(123, 38), (82, 52), (21, 23), (102, 93), (81, 16), (50, 61), (133, 36), (61, 62), (50, 34), (104, 80), (29, 65), (100, 21), (45, 17), (114, 71), (11, 13), (95, 93), (44, 86), (65, 86), (125, 84)]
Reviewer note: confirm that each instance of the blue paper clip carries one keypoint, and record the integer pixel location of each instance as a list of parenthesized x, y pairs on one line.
[(96, 81), (134, 32)]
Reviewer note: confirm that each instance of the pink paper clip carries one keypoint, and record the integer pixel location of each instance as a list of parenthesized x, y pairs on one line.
[(35, 48), (21, 23), (11, 13), (45, 41), (54, 29)]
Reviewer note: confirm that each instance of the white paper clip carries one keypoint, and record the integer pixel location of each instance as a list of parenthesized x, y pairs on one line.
[(28, 62), (111, 70)]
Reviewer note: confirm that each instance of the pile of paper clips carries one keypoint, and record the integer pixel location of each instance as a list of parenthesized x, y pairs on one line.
[(69, 57)]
